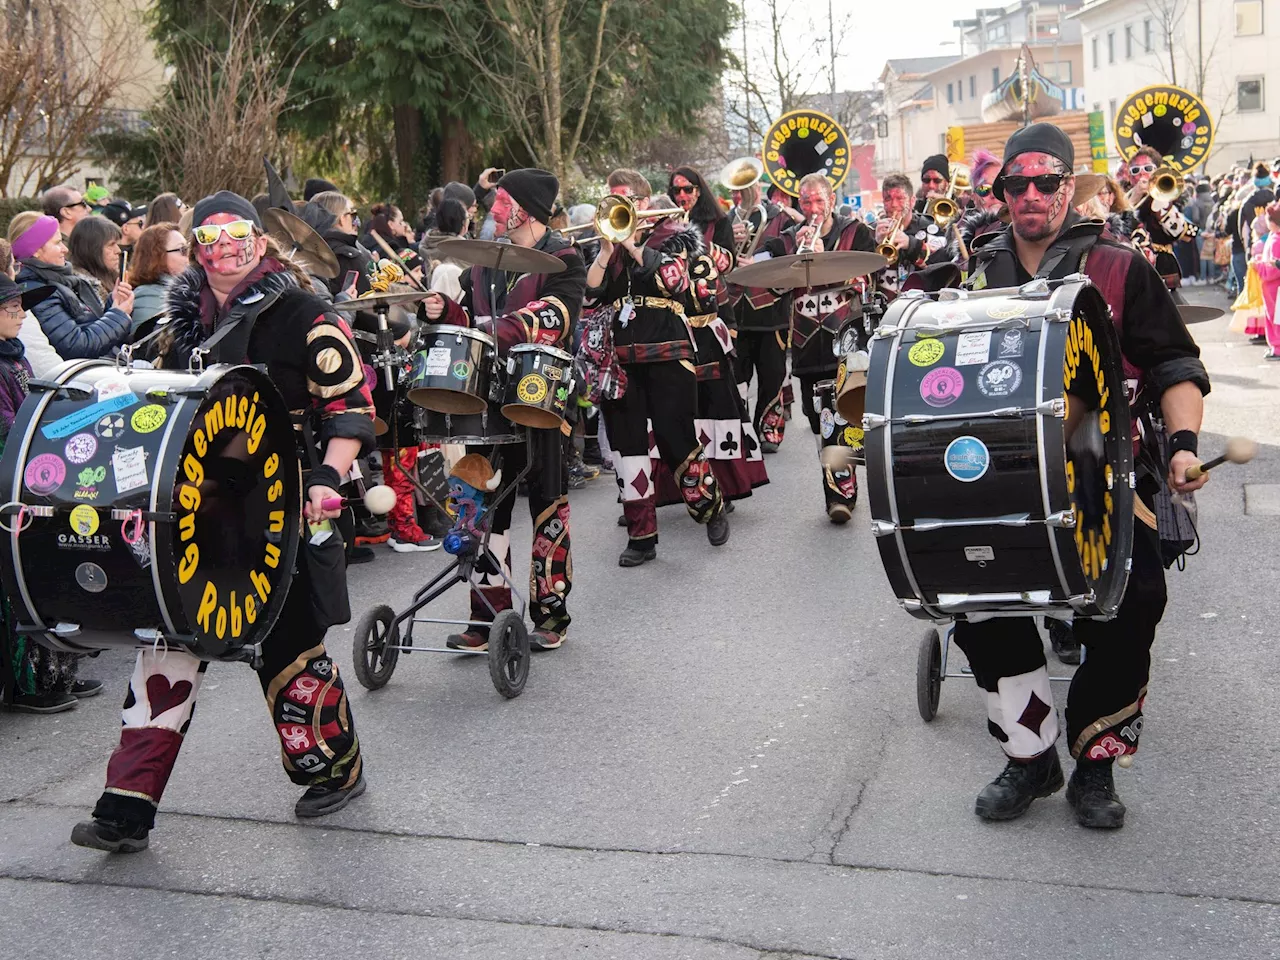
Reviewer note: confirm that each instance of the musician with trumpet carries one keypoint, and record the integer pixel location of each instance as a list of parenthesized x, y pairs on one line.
[(642, 272), (1155, 195)]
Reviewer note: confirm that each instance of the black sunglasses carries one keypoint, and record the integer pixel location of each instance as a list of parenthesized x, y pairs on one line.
[(1046, 184), (688, 189)]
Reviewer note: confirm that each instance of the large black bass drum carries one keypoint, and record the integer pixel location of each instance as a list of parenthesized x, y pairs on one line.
[(150, 507), (998, 449)]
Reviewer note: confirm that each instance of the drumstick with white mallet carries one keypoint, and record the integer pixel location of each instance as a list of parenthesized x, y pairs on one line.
[(378, 500), (1239, 450)]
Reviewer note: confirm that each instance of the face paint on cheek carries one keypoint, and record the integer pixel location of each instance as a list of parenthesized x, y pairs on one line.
[(1057, 203), (245, 251), (516, 217)]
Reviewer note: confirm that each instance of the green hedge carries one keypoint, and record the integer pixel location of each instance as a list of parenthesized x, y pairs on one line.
[(10, 207)]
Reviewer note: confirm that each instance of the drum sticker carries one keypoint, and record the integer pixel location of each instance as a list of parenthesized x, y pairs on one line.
[(973, 348), (828, 423), (86, 416), (925, 353), (1000, 378), (438, 361), (1010, 345), (853, 437), (87, 482), (130, 467), (1007, 312), (979, 555), (841, 373), (81, 448), (531, 388), (462, 369), (110, 427), (109, 387), (951, 315), (966, 459), (141, 551), (148, 418), (84, 520), (942, 387), (44, 474), (562, 395), (91, 577), (841, 421)]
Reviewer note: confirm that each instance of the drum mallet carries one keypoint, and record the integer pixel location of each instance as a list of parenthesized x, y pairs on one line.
[(378, 500), (1239, 450)]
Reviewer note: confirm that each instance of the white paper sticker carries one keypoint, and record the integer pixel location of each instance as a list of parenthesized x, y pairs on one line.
[(130, 466), (438, 361), (973, 348), (979, 553), (110, 386), (625, 314)]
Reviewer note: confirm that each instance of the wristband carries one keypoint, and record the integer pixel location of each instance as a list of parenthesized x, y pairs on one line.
[(1184, 440), (324, 476)]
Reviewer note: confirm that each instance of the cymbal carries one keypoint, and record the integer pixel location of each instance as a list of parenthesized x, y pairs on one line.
[(802, 270), (1193, 313), (302, 243), (1087, 187), (500, 256), (371, 300)]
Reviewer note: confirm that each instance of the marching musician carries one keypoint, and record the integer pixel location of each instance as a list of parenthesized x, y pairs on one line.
[(1167, 383), (240, 285), (906, 230), (816, 317), (648, 281), (1161, 217), (530, 308)]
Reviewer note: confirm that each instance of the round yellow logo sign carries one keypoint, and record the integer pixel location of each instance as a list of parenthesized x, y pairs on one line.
[(924, 353), (531, 388)]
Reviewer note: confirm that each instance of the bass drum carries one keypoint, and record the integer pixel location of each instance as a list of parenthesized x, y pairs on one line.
[(999, 456), (146, 507)]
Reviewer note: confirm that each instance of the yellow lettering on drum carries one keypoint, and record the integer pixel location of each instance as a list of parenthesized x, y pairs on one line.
[(271, 466), (187, 527), (241, 411), (256, 430), (193, 469), (250, 610), (273, 493), (237, 618), (213, 420), (272, 557), (189, 564), (276, 520), (201, 444), (1104, 421), (189, 497), (261, 584), (208, 604)]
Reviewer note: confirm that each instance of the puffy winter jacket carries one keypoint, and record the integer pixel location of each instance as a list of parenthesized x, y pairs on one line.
[(73, 329)]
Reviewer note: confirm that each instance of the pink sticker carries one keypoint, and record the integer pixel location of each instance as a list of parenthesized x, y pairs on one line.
[(942, 387), (44, 474)]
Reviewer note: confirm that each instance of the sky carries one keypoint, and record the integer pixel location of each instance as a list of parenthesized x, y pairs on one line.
[(879, 30)]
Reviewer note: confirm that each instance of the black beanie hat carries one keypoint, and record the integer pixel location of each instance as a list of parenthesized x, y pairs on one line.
[(119, 212), (938, 164), (535, 190), (224, 201), (1036, 138), (315, 185)]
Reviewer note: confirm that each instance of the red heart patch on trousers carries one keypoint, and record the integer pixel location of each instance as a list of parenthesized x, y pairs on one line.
[(162, 696)]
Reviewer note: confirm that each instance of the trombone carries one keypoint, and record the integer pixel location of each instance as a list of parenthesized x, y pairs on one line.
[(617, 218), (942, 210)]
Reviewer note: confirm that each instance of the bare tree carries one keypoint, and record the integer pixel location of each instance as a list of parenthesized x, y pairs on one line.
[(219, 116), (1168, 16), (60, 66)]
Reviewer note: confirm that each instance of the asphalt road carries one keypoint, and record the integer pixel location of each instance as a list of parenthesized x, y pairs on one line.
[(724, 761)]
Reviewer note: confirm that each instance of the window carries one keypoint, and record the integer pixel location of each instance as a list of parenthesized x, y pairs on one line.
[(1147, 33), (973, 87), (1249, 95), (951, 94), (1059, 71), (1128, 42), (960, 90), (1093, 44), (1111, 46), (1111, 107), (1248, 18), (995, 77)]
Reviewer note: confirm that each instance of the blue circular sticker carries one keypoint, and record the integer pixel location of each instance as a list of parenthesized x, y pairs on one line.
[(967, 459)]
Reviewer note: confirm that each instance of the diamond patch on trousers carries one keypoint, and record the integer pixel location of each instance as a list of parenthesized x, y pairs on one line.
[(1035, 713), (641, 484)]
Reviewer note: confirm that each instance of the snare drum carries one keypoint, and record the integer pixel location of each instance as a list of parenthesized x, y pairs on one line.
[(146, 507), (984, 502), (539, 382), (453, 371)]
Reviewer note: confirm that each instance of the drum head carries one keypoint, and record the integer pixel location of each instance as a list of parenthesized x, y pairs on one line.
[(446, 401), (533, 417)]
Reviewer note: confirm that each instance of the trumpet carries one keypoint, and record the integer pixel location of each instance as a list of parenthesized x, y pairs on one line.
[(808, 245), (942, 210), (886, 247), (618, 217), (1166, 185)]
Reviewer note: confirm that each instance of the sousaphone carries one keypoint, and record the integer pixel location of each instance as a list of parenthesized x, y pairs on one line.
[(1171, 120), (803, 142)]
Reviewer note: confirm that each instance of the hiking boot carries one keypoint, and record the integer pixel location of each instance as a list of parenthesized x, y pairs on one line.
[(544, 638), (43, 702), (768, 447), (320, 801), (718, 528), (412, 541), (359, 554), (1092, 795), (470, 640), (110, 836), (1063, 640), (1009, 795), (633, 557), (84, 689)]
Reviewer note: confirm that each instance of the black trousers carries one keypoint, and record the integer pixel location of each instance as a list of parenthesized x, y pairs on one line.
[(1104, 705), (764, 354)]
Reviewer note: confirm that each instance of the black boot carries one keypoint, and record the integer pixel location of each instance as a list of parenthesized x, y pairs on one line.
[(1009, 795), (634, 556), (1063, 639), (1092, 795), (718, 528), (110, 836)]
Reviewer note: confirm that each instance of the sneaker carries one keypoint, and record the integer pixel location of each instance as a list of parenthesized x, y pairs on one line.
[(110, 836), (1009, 795), (718, 528), (606, 466), (321, 801), (576, 480), (43, 702), (84, 689), (359, 554), (1063, 640), (631, 557), (1092, 795), (545, 639), (413, 541), (472, 640)]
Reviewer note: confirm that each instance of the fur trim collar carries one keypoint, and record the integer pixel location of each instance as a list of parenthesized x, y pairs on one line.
[(678, 236), (184, 303)]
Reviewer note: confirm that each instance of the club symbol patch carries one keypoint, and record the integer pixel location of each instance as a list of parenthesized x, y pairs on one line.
[(44, 474)]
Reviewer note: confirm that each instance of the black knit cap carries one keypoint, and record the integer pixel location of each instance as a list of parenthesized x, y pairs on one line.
[(1036, 138), (316, 185), (938, 164), (224, 201), (119, 212), (533, 189)]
